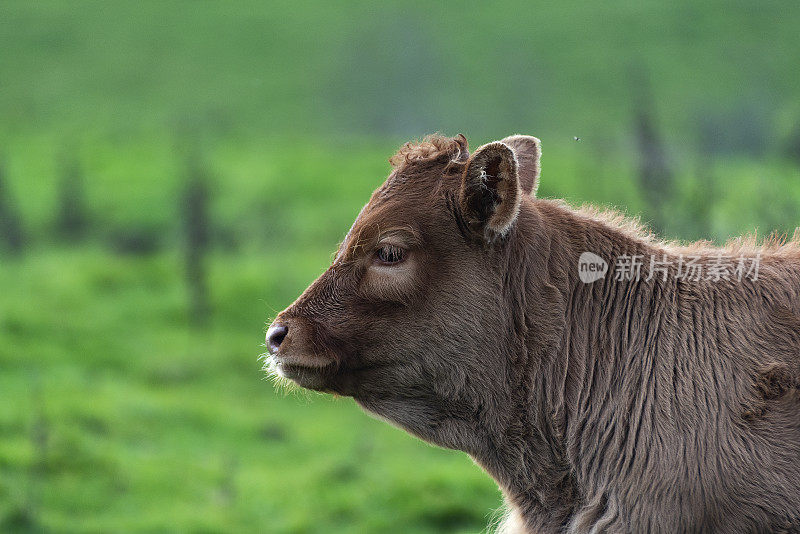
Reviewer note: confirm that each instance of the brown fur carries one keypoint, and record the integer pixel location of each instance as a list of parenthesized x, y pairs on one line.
[(665, 405)]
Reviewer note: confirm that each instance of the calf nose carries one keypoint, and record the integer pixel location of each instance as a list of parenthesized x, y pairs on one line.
[(275, 336)]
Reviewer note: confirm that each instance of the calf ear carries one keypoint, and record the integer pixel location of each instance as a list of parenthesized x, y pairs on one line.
[(528, 150), (490, 194)]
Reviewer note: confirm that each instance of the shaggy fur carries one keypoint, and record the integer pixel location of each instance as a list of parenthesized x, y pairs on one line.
[(660, 405)]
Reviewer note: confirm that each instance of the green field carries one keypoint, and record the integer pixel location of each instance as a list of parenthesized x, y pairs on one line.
[(119, 413), (119, 418)]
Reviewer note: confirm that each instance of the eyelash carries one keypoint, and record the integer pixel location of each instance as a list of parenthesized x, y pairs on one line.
[(390, 255)]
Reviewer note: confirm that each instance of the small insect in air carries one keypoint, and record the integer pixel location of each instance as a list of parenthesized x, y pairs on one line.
[(577, 138)]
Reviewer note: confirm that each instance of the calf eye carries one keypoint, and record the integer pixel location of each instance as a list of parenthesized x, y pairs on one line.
[(389, 255)]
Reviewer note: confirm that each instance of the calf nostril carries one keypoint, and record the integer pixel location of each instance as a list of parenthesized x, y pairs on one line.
[(275, 336)]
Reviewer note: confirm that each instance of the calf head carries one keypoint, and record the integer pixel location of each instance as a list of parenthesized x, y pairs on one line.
[(411, 318)]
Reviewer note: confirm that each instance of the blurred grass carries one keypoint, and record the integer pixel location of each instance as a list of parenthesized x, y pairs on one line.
[(362, 68), (117, 416)]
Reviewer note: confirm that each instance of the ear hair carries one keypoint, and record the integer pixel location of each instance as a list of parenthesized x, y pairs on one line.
[(490, 195), (528, 150), (463, 148)]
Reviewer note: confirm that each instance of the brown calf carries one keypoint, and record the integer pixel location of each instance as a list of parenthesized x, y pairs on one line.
[(465, 310)]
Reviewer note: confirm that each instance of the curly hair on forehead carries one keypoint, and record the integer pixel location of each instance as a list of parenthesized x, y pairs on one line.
[(432, 148)]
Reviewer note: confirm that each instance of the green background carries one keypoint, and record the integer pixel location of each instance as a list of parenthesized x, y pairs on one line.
[(122, 410)]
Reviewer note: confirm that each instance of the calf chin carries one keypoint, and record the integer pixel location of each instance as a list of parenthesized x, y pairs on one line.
[(426, 418)]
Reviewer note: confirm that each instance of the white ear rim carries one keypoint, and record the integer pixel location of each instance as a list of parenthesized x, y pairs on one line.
[(527, 163)]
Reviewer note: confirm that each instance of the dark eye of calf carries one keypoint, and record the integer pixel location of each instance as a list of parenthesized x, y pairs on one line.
[(389, 255)]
